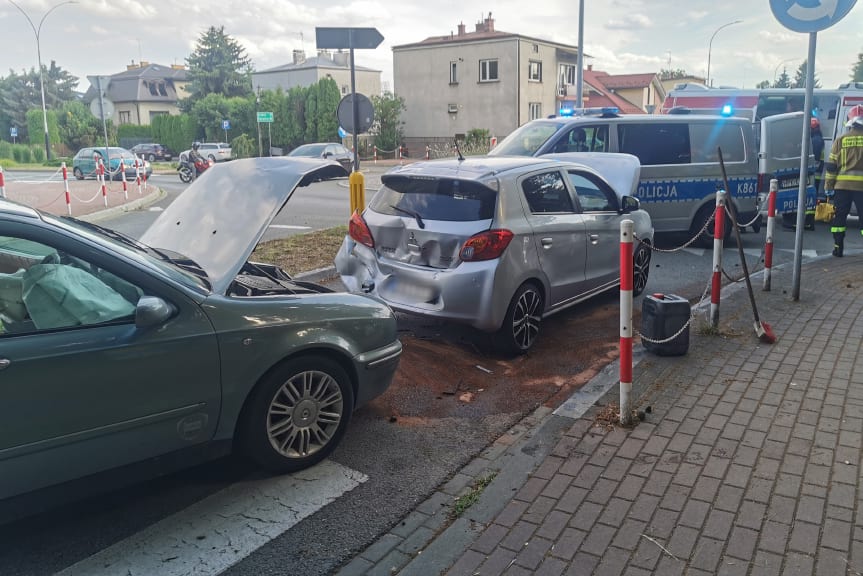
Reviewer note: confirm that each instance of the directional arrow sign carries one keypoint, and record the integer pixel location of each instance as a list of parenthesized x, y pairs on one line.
[(339, 38), (810, 15)]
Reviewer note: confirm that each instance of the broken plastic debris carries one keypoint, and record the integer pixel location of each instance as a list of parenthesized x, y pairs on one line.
[(486, 370)]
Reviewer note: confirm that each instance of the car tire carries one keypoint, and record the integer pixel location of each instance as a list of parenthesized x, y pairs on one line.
[(77, 173), (640, 268), (211, 157), (284, 426), (151, 157), (521, 324), (701, 217)]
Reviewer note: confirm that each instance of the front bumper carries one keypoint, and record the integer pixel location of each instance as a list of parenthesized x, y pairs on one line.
[(375, 371)]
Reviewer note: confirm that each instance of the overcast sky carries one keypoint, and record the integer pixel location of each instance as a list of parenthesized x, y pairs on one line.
[(622, 36)]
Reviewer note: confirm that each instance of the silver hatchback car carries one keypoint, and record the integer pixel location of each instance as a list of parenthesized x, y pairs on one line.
[(497, 242)]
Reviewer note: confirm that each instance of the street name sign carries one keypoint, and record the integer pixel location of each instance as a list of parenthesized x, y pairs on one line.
[(265, 116), (339, 38)]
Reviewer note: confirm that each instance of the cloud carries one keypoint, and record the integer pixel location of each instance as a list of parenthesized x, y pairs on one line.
[(630, 22)]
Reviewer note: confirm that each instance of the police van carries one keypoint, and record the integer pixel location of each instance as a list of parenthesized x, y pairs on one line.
[(680, 170)]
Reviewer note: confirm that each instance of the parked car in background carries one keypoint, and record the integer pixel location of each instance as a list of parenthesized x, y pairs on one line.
[(497, 242), (326, 150), (85, 163), (152, 152), (177, 348), (215, 151)]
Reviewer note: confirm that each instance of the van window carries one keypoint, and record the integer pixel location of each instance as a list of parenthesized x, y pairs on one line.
[(707, 138), (654, 143)]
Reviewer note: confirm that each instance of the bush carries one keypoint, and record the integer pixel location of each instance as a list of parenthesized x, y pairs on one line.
[(6, 150), (38, 154), (21, 154), (243, 146)]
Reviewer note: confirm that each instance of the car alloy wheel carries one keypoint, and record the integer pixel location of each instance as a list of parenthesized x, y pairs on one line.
[(78, 173), (298, 414), (521, 325), (151, 157), (211, 157), (640, 268)]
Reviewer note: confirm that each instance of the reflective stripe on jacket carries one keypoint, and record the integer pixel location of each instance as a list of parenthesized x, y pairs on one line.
[(844, 166)]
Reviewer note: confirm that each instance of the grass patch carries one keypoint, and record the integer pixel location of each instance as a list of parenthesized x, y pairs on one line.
[(302, 252), (465, 501)]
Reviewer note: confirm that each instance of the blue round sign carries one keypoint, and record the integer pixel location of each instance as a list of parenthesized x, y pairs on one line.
[(810, 15)]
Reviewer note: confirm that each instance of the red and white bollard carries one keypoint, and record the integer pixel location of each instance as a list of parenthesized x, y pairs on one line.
[(2, 184), (102, 180), (718, 235), (144, 174), (771, 223), (66, 188), (626, 273), (123, 172), (401, 156), (138, 175), (428, 152), (376, 154)]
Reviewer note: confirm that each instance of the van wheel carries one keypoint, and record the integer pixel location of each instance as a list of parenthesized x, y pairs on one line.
[(521, 323), (705, 240)]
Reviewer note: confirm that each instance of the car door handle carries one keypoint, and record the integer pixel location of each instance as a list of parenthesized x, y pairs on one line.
[(546, 242), (4, 363), (594, 238)]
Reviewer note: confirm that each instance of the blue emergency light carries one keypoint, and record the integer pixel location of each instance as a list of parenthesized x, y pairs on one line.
[(727, 110)]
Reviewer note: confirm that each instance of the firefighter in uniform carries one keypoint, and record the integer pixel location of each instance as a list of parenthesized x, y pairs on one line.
[(844, 175)]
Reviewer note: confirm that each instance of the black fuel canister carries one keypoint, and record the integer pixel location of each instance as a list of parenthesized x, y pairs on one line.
[(663, 316)]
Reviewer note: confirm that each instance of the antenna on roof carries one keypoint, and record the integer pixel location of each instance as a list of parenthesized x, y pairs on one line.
[(458, 150)]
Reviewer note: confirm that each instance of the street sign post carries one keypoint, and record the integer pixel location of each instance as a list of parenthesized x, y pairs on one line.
[(226, 125), (810, 16), (350, 38), (13, 133)]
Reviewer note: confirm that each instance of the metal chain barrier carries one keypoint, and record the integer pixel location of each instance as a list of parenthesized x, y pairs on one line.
[(685, 326)]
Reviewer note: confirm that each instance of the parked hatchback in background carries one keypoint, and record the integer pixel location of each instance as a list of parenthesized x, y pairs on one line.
[(152, 152), (326, 150), (85, 163), (497, 242), (215, 151), (177, 348)]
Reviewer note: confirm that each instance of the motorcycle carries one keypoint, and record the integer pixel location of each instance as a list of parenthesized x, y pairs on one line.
[(185, 169)]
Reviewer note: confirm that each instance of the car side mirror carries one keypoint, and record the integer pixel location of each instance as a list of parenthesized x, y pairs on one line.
[(152, 311), (327, 154), (629, 204)]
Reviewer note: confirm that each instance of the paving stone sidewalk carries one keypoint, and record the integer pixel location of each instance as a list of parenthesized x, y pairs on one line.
[(748, 462)]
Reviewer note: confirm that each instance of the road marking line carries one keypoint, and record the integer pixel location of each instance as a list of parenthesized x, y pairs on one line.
[(586, 396), (289, 227), (214, 534)]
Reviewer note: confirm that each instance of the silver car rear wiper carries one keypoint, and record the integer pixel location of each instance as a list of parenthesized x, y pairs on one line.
[(416, 215)]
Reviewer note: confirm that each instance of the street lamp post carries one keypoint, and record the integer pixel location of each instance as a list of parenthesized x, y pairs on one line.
[(710, 45), (776, 70), (37, 30)]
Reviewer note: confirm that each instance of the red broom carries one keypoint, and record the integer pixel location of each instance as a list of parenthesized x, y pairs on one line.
[(762, 329)]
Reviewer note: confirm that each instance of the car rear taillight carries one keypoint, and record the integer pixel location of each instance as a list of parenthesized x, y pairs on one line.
[(486, 245), (359, 230)]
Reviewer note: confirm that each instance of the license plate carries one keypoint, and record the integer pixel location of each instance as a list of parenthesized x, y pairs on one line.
[(793, 182)]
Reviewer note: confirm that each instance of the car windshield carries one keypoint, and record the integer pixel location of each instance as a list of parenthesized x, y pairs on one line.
[(526, 140), (308, 150), (435, 199)]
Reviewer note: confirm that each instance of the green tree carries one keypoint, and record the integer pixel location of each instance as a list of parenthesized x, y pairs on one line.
[(667, 74), (388, 127), (20, 93), (78, 127), (784, 81), (327, 111), (857, 69), (800, 77), (208, 113), (311, 132), (218, 65), (763, 84)]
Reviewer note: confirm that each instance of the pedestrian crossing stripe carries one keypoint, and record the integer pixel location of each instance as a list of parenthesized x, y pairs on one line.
[(217, 532)]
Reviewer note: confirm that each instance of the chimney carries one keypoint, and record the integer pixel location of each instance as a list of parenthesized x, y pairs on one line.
[(144, 64), (489, 23), (590, 67), (340, 58), (299, 56), (324, 54), (178, 66), (461, 31), (131, 66)]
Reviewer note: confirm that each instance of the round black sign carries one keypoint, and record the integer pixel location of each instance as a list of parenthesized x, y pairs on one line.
[(365, 113)]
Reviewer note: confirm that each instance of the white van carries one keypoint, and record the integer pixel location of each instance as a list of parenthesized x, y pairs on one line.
[(680, 171)]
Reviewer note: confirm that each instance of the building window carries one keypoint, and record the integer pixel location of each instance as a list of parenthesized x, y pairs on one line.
[(567, 74), (488, 71), (151, 86), (162, 90), (534, 71), (535, 110), (125, 117), (453, 72), (536, 48)]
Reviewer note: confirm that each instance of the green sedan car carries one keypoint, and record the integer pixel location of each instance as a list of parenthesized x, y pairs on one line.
[(176, 347)]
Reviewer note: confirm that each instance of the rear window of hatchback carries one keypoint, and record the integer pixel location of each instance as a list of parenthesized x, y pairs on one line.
[(444, 199)]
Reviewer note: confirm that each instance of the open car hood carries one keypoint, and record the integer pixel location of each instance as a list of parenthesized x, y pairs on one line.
[(220, 218), (620, 170)]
